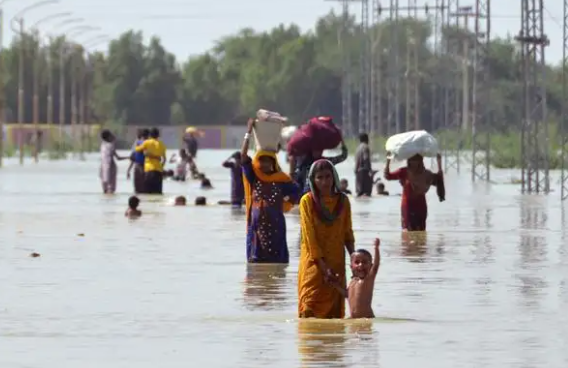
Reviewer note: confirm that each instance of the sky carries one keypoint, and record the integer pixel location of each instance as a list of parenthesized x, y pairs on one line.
[(191, 27)]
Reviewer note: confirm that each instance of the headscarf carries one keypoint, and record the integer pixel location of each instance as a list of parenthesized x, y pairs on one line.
[(323, 213), (277, 176)]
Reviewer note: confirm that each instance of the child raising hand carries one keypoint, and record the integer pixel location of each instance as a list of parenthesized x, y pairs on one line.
[(360, 290)]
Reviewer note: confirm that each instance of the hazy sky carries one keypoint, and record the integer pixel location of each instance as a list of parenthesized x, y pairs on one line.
[(189, 27)]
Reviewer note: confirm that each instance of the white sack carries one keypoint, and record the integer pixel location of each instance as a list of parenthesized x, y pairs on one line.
[(405, 145), (287, 132)]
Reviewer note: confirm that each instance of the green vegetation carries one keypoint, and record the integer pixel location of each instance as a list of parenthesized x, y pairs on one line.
[(284, 69)]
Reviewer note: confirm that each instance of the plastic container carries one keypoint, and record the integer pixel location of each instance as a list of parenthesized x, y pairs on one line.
[(267, 130)]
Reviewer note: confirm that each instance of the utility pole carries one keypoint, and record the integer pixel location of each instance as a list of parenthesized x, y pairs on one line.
[(393, 77), (21, 110), (36, 72), (50, 112), (465, 12), (564, 120), (62, 57), (481, 95), (346, 92), (535, 140), (364, 59), (364, 80), (346, 80), (2, 89), (376, 114), (452, 96), (74, 82), (412, 73)]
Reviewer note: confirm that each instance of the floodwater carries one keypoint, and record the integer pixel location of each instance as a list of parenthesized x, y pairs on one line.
[(486, 287)]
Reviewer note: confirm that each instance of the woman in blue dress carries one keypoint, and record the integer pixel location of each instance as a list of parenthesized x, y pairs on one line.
[(269, 192)]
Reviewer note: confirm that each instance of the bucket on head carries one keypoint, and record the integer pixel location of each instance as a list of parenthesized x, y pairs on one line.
[(267, 130)]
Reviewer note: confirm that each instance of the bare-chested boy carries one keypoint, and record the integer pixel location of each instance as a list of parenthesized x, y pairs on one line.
[(360, 289)]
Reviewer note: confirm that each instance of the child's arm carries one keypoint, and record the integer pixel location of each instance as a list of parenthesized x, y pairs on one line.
[(343, 291), (377, 261)]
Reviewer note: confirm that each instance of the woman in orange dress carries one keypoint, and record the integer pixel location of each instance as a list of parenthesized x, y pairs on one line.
[(416, 180), (325, 220)]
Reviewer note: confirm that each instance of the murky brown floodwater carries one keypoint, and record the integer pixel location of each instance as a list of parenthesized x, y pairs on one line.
[(487, 286)]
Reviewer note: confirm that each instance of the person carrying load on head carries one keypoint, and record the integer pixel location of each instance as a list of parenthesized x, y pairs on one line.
[(269, 193), (307, 145)]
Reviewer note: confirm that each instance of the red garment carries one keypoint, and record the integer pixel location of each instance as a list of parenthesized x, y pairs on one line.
[(413, 207)]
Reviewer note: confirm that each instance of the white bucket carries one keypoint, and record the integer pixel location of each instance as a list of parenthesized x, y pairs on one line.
[(267, 135)]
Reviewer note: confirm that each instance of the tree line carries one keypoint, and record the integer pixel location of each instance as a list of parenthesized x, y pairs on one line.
[(294, 72)]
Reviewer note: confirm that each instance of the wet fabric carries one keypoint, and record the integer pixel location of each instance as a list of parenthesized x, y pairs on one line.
[(108, 170), (138, 178), (265, 206), (316, 298), (413, 206), (363, 170), (237, 186), (153, 181)]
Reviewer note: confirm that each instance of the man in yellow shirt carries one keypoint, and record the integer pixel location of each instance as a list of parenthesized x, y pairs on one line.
[(155, 158)]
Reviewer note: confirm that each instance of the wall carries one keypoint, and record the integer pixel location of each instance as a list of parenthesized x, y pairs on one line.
[(216, 136)]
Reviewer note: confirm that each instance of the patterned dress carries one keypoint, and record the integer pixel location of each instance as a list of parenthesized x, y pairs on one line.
[(266, 230)]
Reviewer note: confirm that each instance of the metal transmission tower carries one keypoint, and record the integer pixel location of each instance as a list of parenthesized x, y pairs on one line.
[(376, 111), (393, 74), (346, 93), (411, 75), (564, 120), (481, 114), (452, 80), (412, 72), (365, 67), (364, 78), (534, 145)]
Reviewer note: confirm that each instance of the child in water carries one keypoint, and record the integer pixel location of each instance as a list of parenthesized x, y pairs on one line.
[(359, 293), (182, 163), (381, 189), (180, 201), (205, 182), (344, 186), (132, 211), (201, 201)]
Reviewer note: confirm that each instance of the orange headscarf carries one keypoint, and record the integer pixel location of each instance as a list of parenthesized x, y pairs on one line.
[(278, 176)]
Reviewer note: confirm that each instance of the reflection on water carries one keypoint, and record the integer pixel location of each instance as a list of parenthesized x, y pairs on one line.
[(173, 286), (414, 245), (322, 344), (533, 253), (264, 286), (483, 218)]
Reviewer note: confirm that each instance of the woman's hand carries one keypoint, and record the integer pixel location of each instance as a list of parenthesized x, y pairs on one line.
[(250, 125), (439, 162), (329, 275)]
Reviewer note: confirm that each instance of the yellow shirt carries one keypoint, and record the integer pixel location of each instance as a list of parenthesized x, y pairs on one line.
[(155, 148)]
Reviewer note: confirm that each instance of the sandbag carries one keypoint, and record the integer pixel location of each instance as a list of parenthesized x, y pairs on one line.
[(405, 145), (319, 134)]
